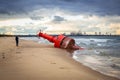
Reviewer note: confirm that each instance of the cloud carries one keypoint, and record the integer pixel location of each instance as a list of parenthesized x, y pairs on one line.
[(61, 22), (96, 7), (36, 17), (118, 32), (113, 19), (6, 29), (58, 19), (2, 29)]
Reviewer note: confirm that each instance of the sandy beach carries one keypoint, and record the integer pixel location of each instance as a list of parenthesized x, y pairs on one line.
[(33, 61)]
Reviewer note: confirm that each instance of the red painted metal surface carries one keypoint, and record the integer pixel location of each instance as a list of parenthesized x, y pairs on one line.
[(61, 41)]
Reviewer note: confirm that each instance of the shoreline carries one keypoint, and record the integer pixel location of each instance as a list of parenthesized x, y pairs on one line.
[(41, 61), (94, 69)]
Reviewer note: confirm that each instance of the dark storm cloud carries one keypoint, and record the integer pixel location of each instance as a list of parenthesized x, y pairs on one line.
[(58, 19), (36, 17), (98, 7)]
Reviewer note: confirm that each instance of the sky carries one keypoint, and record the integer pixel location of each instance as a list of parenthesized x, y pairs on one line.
[(59, 16)]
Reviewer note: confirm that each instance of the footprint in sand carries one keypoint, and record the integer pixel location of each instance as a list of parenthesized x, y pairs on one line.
[(61, 67), (3, 55), (18, 52), (66, 68), (53, 63)]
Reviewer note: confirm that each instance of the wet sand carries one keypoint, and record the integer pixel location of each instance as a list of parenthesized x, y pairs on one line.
[(33, 61)]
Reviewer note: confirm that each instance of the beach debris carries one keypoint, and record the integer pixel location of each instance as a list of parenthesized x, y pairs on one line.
[(62, 67), (53, 63), (61, 41), (18, 52)]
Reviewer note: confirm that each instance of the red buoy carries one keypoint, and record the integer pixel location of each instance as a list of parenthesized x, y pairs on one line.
[(60, 41)]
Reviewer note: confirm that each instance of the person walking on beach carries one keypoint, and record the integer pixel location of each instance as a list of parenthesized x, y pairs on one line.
[(17, 40)]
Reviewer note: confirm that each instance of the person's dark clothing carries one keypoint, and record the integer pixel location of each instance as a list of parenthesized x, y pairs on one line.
[(17, 40)]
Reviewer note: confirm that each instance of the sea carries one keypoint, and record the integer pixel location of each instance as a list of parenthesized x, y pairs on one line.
[(100, 53)]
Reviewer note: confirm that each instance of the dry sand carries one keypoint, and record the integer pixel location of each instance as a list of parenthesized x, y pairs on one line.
[(33, 61)]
